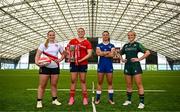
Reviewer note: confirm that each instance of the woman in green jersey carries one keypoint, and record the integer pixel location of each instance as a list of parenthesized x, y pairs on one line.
[(132, 69)]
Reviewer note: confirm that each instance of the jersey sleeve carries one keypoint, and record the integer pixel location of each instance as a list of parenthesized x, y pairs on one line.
[(122, 51), (141, 48), (89, 46), (60, 48), (113, 46), (71, 41), (98, 46), (41, 47)]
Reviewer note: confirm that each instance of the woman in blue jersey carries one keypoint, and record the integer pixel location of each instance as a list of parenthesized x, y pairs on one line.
[(106, 52), (132, 67), (49, 49)]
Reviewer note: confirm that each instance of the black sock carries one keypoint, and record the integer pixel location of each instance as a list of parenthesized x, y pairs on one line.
[(39, 99), (129, 94), (98, 95), (54, 98), (111, 96), (141, 98)]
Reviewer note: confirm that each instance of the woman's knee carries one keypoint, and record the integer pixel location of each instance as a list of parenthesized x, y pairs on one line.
[(129, 85), (73, 81), (140, 86), (54, 85), (100, 82), (42, 86), (110, 83), (83, 81)]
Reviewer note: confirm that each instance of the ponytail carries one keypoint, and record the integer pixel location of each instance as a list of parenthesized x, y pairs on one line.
[(47, 40), (46, 43)]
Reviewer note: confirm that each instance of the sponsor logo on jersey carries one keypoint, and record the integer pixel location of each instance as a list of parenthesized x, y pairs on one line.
[(131, 49)]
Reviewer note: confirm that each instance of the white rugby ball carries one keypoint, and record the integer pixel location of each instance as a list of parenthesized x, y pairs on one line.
[(44, 60)]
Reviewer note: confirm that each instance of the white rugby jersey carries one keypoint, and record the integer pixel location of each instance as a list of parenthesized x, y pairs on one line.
[(53, 49)]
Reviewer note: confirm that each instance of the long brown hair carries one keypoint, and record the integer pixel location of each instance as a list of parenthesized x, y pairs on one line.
[(47, 40)]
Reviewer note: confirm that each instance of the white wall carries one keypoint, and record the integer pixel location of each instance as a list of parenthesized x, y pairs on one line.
[(162, 63), (23, 62)]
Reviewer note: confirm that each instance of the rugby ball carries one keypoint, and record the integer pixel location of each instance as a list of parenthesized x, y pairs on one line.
[(44, 60)]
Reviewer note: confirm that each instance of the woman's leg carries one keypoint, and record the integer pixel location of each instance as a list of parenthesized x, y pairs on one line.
[(99, 87), (138, 80), (109, 77), (129, 85), (43, 79), (54, 82), (82, 76), (74, 76)]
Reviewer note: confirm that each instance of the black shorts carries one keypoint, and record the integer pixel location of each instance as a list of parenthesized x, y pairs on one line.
[(132, 68), (78, 68), (49, 71)]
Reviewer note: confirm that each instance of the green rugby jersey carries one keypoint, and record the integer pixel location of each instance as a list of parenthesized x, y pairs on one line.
[(131, 50)]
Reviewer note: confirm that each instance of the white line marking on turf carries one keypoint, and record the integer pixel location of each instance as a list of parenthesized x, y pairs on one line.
[(151, 90), (93, 105), (93, 87)]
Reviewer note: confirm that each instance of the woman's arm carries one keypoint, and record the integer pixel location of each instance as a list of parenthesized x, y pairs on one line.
[(89, 53), (111, 53), (121, 59), (100, 53), (146, 54), (63, 54), (38, 54)]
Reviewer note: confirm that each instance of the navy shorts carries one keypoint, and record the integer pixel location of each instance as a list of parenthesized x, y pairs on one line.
[(105, 68), (49, 71), (78, 68)]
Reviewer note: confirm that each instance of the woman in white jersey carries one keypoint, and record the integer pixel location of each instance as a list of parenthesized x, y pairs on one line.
[(51, 71)]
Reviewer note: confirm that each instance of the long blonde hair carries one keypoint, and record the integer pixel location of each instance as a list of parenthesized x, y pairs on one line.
[(47, 40)]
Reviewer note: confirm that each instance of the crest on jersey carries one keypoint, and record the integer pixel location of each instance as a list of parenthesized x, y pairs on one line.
[(56, 45)]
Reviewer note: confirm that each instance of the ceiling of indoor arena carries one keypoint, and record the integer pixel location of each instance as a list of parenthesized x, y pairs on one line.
[(24, 23)]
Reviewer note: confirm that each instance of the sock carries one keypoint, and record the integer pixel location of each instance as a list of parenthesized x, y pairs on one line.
[(111, 93), (54, 98), (72, 93), (129, 94), (84, 93), (141, 98), (39, 99), (98, 95)]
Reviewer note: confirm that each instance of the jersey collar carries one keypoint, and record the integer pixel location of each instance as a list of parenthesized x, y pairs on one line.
[(106, 43)]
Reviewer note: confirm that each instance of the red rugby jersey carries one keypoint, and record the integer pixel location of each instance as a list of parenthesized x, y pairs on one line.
[(84, 46)]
